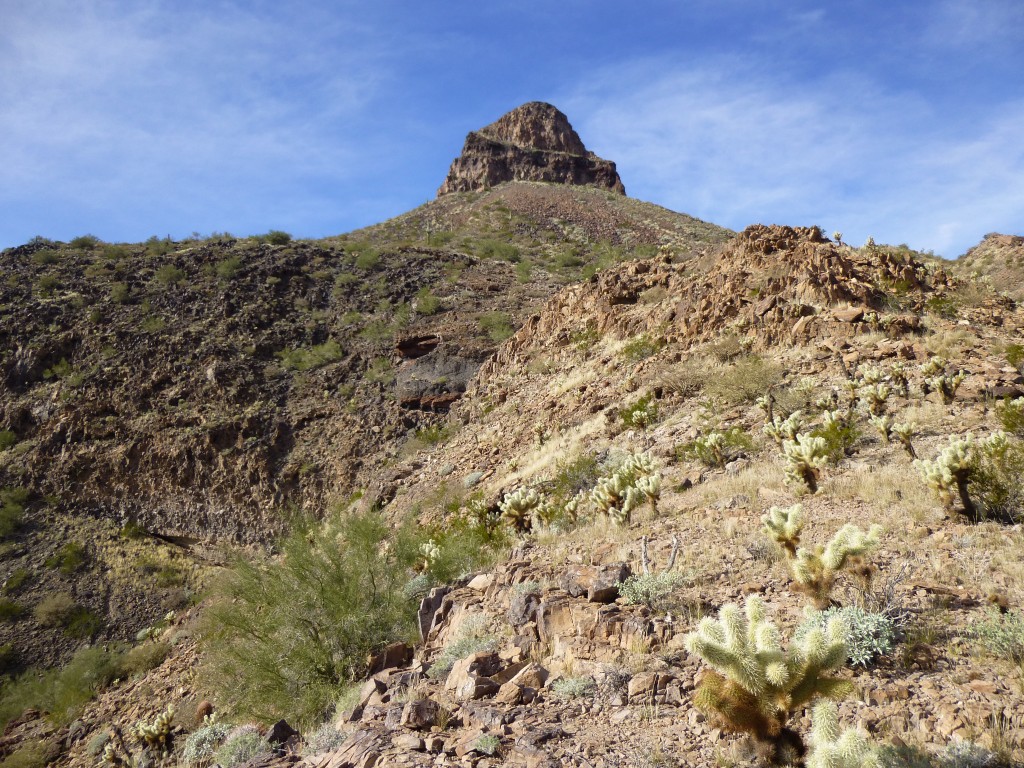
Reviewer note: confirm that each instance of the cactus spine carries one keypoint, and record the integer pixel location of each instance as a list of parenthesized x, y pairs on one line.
[(831, 748), (805, 456)]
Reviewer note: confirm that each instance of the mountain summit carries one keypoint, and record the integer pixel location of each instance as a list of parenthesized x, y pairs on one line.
[(534, 142)]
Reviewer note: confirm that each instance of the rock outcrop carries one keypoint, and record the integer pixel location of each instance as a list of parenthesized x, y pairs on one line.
[(534, 142)]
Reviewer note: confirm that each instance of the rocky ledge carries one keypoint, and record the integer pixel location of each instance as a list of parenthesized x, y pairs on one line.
[(534, 142)]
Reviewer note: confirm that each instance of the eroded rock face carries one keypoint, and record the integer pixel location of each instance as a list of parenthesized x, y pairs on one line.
[(534, 142)]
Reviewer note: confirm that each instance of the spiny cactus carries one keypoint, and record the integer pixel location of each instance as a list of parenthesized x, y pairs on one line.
[(814, 570), (947, 385), (712, 447), (430, 552), (634, 481), (957, 465), (875, 395), (884, 426), (904, 432), (831, 748), (900, 380), (784, 526), (805, 456), (755, 686), (781, 430), (156, 735), (525, 508)]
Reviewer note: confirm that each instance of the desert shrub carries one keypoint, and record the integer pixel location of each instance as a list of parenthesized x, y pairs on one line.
[(47, 284), (29, 754), (120, 293), (61, 693), (12, 510), (168, 275), (473, 637), (574, 476), (380, 371), (144, 657), (497, 249), (868, 635), (1015, 355), (11, 611), (46, 257), (641, 413), (497, 325), (984, 474), (366, 256), (744, 380), (573, 687), (241, 746), (1001, 634), (440, 238), (18, 578), (840, 433), (228, 268), (277, 237), (1011, 415), (84, 242), (426, 302), (640, 348), (308, 359), (460, 546), (202, 743), (284, 637), (655, 590), (716, 448), (7, 439), (434, 434), (324, 738), (8, 659), (54, 610), (69, 558), (487, 744)]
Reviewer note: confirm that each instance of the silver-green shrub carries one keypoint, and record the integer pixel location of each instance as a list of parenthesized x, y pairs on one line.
[(655, 590), (868, 635), (202, 743), (1001, 634), (573, 687), (242, 745)]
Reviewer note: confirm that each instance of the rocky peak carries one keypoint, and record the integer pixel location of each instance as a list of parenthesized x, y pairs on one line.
[(534, 142)]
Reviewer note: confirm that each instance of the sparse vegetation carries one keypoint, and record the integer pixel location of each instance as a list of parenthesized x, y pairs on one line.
[(311, 358), (496, 325)]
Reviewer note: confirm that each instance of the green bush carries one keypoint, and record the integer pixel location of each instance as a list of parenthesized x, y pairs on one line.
[(228, 268), (1002, 635), (168, 275), (11, 611), (745, 380), (144, 657), (308, 359), (84, 242), (640, 348), (426, 302), (497, 326), (55, 610), (1011, 415), (61, 693), (655, 590), (241, 745), (573, 687), (283, 638), (47, 284), (474, 636), (69, 558), (277, 237), (201, 745), (46, 257), (7, 439), (717, 448), (12, 510), (18, 578), (497, 249), (1015, 355), (120, 293), (30, 754), (868, 635), (640, 414)]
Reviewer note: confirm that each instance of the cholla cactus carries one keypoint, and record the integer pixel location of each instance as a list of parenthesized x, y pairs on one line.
[(935, 365), (805, 456), (814, 571), (871, 375), (875, 396), (712, 446), (884, 426), (953, 469), (430, 552), (525, 508), (898, 377), (781, 430), (832, 749), (904, 433), (156, 735), (946, 385), (633, 481), (785, 525), (755, 686)]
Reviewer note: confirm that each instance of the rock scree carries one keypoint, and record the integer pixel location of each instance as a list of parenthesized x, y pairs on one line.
[(534, 142)]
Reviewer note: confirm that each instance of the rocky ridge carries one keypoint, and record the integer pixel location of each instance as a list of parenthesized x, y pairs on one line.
[(533, 142)]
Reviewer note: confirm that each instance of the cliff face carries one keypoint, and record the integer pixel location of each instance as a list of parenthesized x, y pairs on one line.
[(534, 142)]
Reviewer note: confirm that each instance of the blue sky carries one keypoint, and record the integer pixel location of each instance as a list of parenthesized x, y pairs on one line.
[(899, 120)]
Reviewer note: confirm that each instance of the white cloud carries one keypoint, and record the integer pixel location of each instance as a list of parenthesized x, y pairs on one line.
[(731, 144)]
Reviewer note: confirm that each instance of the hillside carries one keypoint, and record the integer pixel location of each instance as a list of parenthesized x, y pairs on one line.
[(999, 260), (572, 409)]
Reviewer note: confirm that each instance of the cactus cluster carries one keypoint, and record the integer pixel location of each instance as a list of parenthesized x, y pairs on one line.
[(781, 430), (755, 686), (805, 456), (937, 379), (951, 473), (883, 424), (156, 735), (526, 508), (636, 480), (831, 748), (814, 570), (904, 432)]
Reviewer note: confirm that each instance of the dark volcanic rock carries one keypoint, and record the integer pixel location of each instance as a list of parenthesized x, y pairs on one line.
[(534, 142)]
